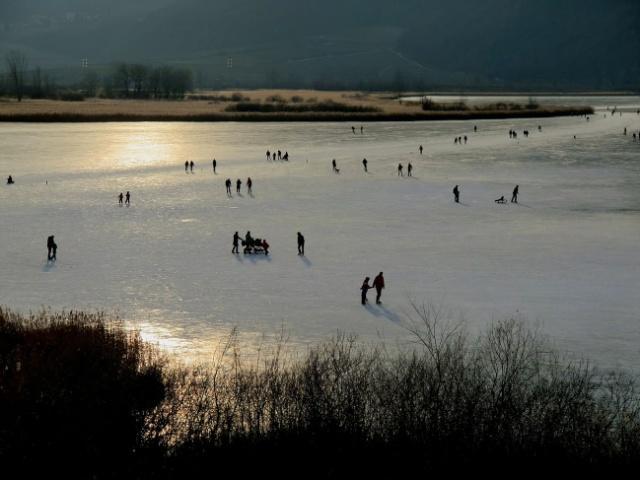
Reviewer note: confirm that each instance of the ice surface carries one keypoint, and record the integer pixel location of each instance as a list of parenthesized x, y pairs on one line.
[(566, 256)]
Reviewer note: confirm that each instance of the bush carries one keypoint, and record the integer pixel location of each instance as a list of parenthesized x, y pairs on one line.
[(75, 391)]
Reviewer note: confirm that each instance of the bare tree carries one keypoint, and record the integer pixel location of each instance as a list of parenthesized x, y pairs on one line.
[(16, 71)]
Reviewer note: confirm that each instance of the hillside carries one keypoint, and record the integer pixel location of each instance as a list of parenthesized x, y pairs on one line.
[(586, 44)]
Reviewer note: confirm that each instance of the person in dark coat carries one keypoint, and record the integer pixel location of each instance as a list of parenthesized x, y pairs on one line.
[(378, 284), (191, 165), (420, 149), (335, 166), (249, 185), (215, 164), (400, 167), (127, 198), (300, 244), (236, 242), (364, 289), (52, 248), (265, 245), (120, 198), (410, 169), (186, 166), (238, 185), (227, 183), (364, 164), (516, 192), (10, 180), (456, 194)]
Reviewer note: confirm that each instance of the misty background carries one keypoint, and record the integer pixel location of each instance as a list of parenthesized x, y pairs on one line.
[(363, 44)]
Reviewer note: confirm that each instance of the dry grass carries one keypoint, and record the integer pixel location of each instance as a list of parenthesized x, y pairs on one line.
[(200, 109)]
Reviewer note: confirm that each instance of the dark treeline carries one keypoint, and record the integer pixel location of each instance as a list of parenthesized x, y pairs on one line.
[(83, 397), (141, 81), (119, 81)]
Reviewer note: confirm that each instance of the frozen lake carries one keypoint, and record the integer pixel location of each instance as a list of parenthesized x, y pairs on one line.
[(566, 257)]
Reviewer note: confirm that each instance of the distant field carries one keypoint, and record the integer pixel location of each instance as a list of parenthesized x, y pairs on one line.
[(257, 105)]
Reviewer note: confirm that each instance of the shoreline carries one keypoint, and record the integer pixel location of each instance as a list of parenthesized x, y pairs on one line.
[(82, 117)]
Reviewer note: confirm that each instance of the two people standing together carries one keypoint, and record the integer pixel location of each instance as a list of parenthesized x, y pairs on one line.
[(378, 284)]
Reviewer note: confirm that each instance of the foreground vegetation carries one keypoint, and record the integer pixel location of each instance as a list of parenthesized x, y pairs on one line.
[(81, 395)]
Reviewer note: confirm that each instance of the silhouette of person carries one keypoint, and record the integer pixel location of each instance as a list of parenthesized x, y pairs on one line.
[(456, 194), (52, 248), (361, 130), (186, 166), (420, 149), (249, 185), (228, 185), (248, 240), (335, 166), (285, 157), (120, 197), (353, 129), (238, 185), (10, 180), (409, 169), (215, 164), (191, 165), (364, 164), (236, 243), (465, 139), (265, 245), (127, 199), (268, 155), (365, 288), (300, 244), (274, 156), (279, 155), (475, 128), (378, 284), (516, 192), (400, 167)]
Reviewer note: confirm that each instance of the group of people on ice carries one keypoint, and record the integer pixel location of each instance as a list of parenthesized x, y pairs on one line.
[(250, 245), (126, 198), (228, 184), (280, 156), (514, 195)]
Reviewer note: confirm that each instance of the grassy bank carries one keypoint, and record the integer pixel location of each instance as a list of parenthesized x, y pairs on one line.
[(80, 394), (259, 106)]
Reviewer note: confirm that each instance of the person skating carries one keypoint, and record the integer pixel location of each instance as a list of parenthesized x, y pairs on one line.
[(300, 244), (215, 164), (238, 185), (335, 166), (236, 243), (191, 165), (268, 155), (120, 198), (127, 199), (52, 248), (228, 185), (456, 193), (186, 166), (378, 284), (364, 164), (420, 149), (249, 185), (279, 154), (10, 180), (400, 173), (516, 192), (364, 289), (410, 170)]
